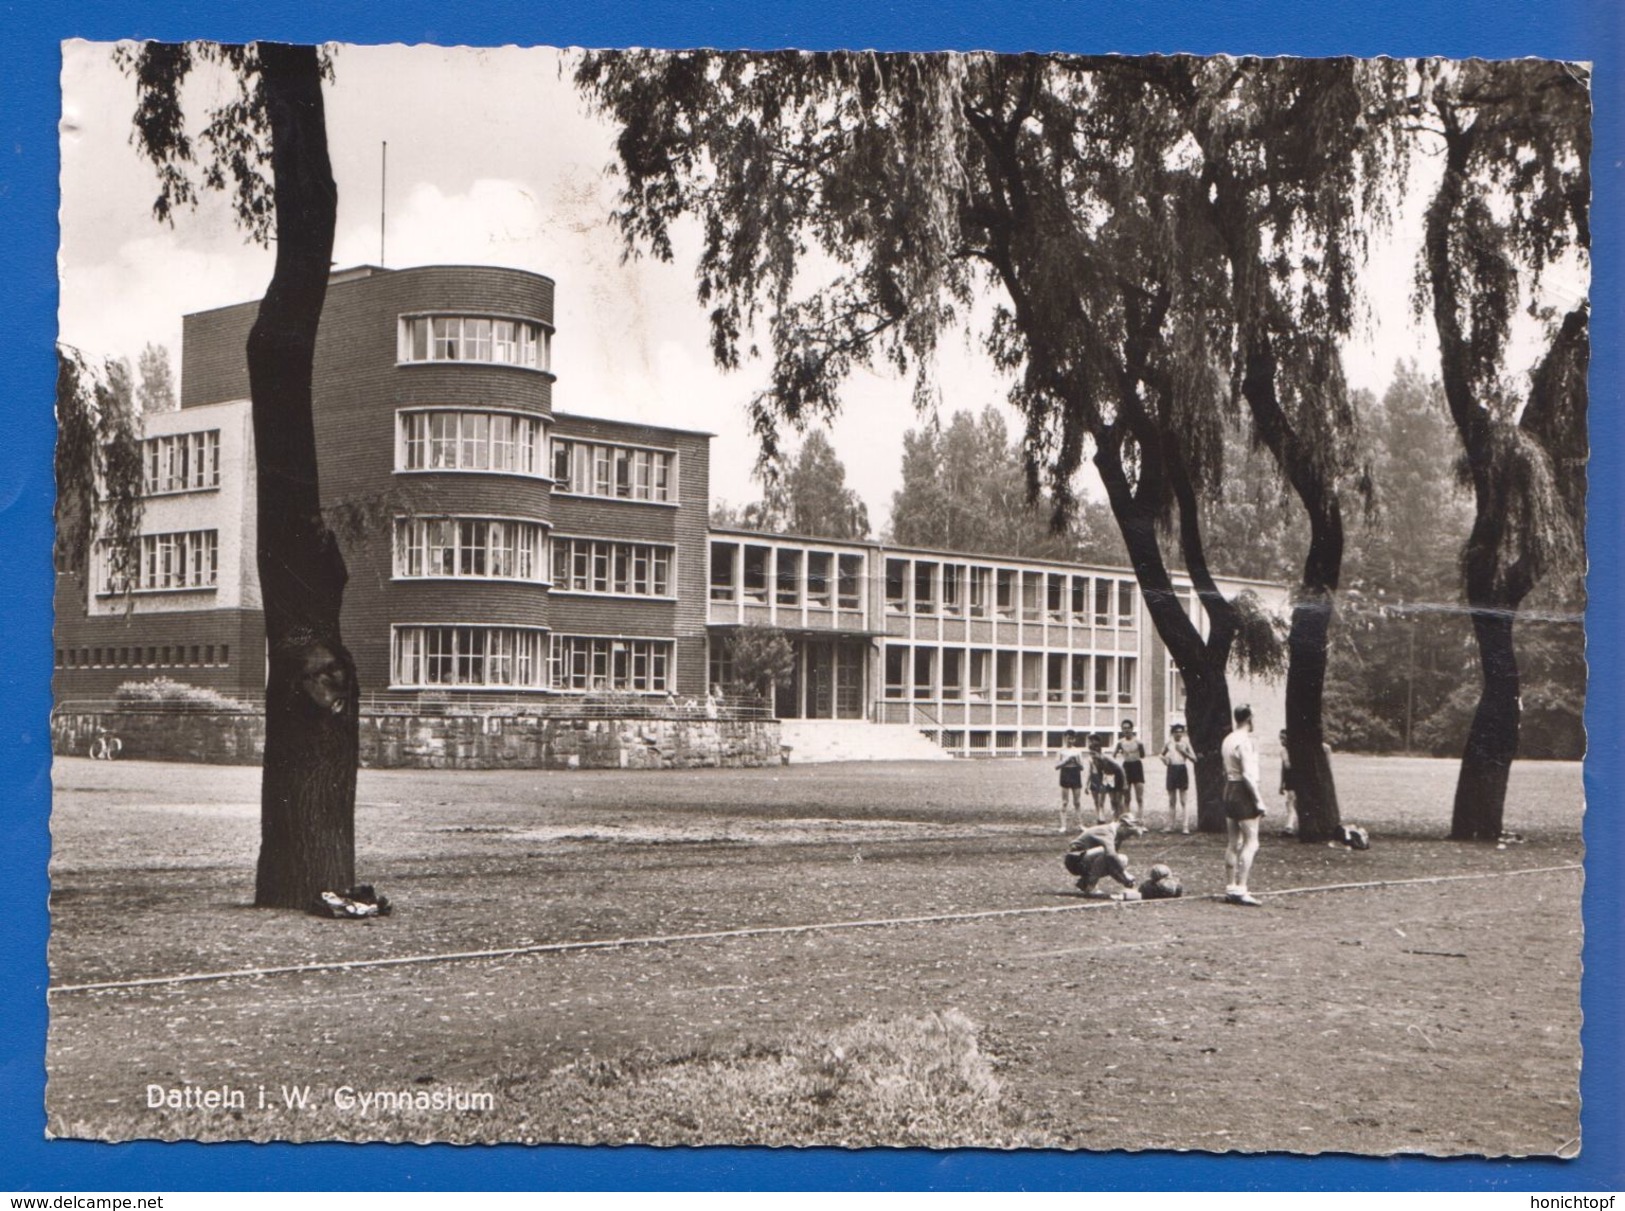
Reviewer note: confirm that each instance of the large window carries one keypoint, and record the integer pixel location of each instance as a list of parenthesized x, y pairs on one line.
[(180, 462), (818, 579), (1127, 673), (619, 472), (1125, 603), (597, 565), (475, 338), (787, 574), (1005, 593), (723, 555), (590, 662), (1055, 597), (755, 588), (924, 672), (469, 546), (499, 657), (1103, 603), (185, 560), (981, 580), (896, 671), (1080, 600), (446, 440), (850, 587), (897, 586), (925, 597)]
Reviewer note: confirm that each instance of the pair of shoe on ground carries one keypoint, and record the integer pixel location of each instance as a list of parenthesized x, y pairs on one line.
[(1240, 895)]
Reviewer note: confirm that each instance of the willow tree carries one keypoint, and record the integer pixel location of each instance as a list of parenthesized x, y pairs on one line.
[(1296, 179), (1056, 185), (266, 146), (98, 469), (1511, 207)]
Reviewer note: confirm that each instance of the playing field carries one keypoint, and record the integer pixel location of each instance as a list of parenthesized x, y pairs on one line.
[(862, 954)]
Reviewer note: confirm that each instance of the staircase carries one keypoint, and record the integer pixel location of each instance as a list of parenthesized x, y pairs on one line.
[(819, 740)]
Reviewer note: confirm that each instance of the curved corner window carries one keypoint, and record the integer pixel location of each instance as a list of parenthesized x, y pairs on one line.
[(470, 656), (475, 338), (469, 548), (458, 440)]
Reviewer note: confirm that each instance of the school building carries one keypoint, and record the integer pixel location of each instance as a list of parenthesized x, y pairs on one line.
[(498, 547)]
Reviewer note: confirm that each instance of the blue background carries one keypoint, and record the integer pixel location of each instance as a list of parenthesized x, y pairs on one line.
[(29, 65)]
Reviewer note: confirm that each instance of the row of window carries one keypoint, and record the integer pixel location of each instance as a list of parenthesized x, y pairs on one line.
[(1002, 741), (591, 565), (469, 547), (457, 440), (988, 675), (154, 656), (585, 662), (472, 338), (180, 462), (462, 439), (756, 574), (523, 658), (187, 559), (930, 587), (623, 472)]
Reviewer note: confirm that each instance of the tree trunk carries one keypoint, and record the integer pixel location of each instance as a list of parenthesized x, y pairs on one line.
[(1492, 741), (1207, 718), (1307, 645), (1309, 640), (1201, 663), (307, 796)]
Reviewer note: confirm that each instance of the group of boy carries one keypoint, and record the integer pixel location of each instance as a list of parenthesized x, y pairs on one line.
[(1116, 780), (1120, 777)]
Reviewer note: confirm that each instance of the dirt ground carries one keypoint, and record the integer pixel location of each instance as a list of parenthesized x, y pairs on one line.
[(1424, 1017)]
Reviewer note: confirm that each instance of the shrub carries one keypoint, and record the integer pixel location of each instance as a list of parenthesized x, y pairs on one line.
[(162, 689)]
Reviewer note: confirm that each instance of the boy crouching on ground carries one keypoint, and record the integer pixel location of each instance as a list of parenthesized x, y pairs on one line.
[(1094, 854)]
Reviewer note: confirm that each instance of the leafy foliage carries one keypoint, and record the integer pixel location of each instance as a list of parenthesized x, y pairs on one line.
[(98, 466), (1404, 667), (1068, 190), (761, 657), (809, 497), (1259, 650), (230, 153), (156, 391), (963, 488)]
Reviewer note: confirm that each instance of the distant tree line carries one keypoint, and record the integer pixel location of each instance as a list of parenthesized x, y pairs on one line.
[(962, 487)]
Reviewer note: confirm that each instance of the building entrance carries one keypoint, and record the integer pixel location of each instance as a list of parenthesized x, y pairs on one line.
[(828, 682)]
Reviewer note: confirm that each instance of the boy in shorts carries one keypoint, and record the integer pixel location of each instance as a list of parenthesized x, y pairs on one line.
[(1130, 751), (1243, 807), (1178, 756), (1071, 761)]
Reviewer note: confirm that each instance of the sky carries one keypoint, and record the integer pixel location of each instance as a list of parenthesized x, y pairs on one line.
[(493, 159)]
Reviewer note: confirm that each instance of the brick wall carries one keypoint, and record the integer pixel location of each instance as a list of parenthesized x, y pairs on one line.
[(95, 654)]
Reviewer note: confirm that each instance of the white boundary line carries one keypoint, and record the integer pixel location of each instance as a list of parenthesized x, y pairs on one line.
[(757, 931)]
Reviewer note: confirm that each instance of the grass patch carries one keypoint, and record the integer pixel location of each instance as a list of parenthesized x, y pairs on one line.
[(925, 1082)]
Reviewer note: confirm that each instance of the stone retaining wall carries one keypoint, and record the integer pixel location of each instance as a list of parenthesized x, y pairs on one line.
[(402, 740)]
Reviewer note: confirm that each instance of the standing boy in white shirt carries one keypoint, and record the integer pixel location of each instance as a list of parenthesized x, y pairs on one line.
[(1243, 807)]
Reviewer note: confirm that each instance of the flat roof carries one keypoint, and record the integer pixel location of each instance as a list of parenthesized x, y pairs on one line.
[(630, 424), (948, 556)]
